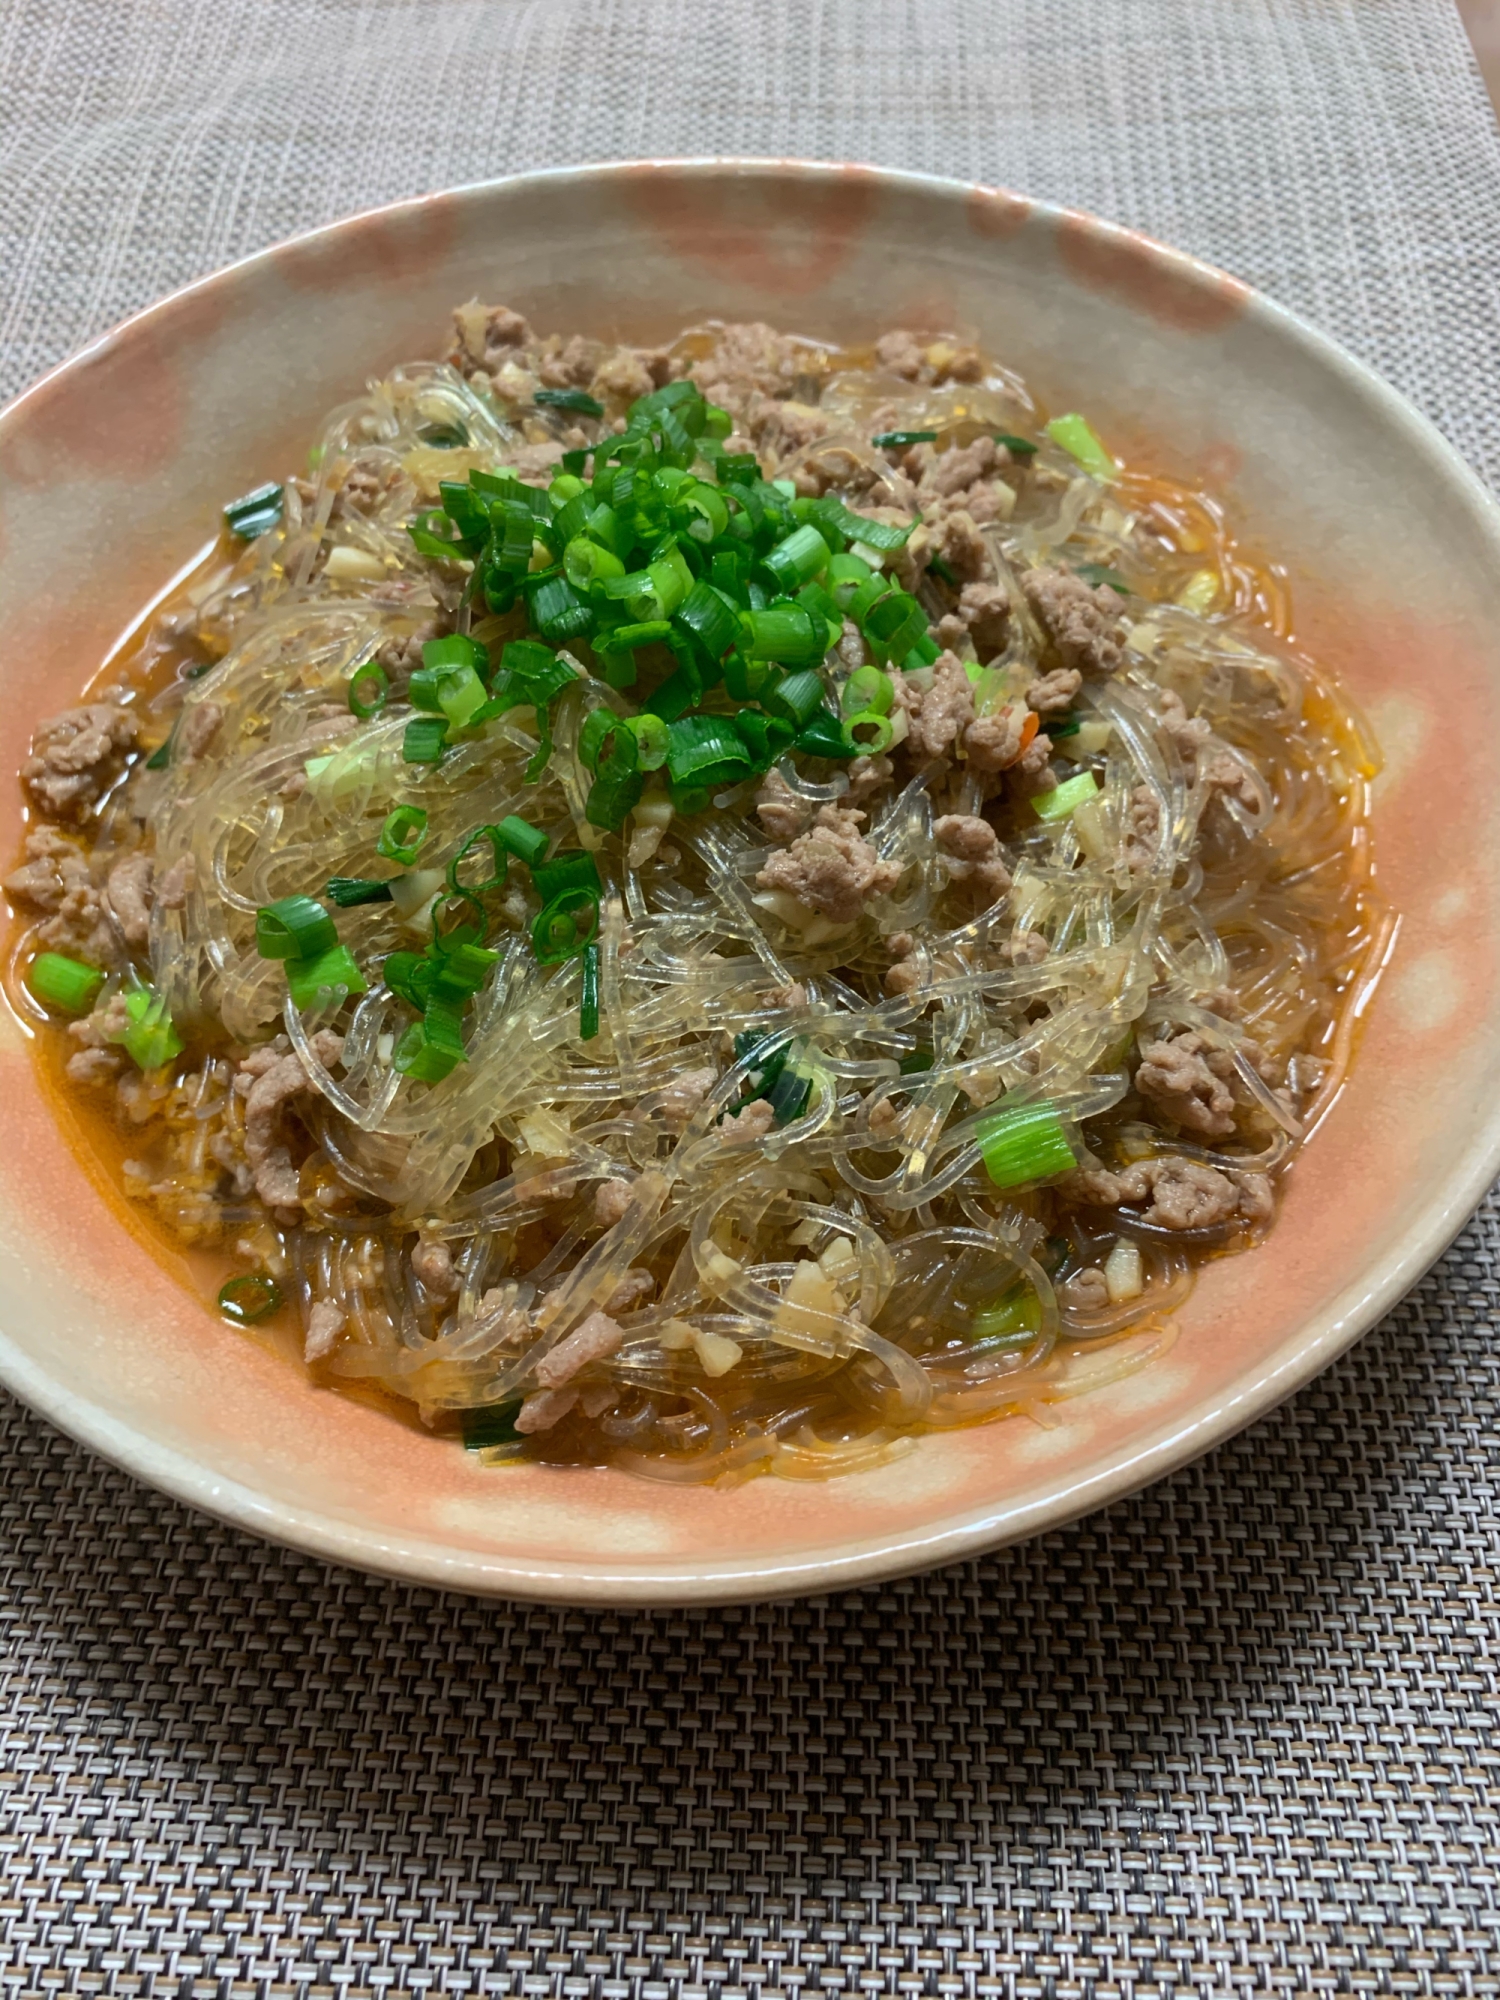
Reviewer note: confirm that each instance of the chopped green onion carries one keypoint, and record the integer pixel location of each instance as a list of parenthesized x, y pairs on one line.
[(1077, 437), (652, 740), (444, 437), (459, 972), (565, 926), (161, 756), (867, 688), (1064, 725), (1024, 1144), (1018, 447), (577, 400), (249, 1299), (566, 872), (403, 833), (587, 566), (846, 574), (879, 535), (425, 739), (295, 927), (764, 736), (494, 1424), (151, 1037), (366, 705), (527, 843), (313, 982), (802, 556), (941, 567), (588, 1011), (409, 975), (786, 632), (710, 616), (870, 745), (1017, 1312), (63, 982), (1097, 573), (495, 879), (559, 612), (460, 694), (1057, 804), (796, 698), (921, 655), (898, 440), (705, 752), (598, 723), (425, 1054), (252, 515), (823, 736), (788, 1095), (893, 625), (349, 891)]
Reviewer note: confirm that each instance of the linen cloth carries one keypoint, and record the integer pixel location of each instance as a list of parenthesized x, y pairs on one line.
[(1235, 1735)]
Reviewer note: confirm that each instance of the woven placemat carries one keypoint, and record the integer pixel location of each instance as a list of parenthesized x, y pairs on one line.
[(1234, 1735)]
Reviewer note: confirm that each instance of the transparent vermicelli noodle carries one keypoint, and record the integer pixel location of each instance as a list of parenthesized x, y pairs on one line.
[(708, 909)]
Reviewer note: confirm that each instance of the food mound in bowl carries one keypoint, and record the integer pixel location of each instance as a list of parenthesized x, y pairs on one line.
[(710, 908)]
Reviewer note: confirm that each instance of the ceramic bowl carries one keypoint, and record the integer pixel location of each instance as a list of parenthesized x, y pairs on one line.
[(128, 450)]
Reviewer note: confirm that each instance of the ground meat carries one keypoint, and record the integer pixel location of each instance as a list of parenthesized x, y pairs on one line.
[(936, 715), (622, 379), (1081, 621), (486, 337), (900, 353), (1142, 828), (789, 996), (780, 428), (1183, 1194), (324, 1325), (779, 809), (831, 868), (534, 464), (884, 1121), (270, 1079), (546, 1408), (976, 860), (592, 1339), (76, 756), (867, 775), (1185, 1079), (681, 1099), (129, 892), (364, 487), (568, 365), (951, 534), (985, 611), (751, 1121), (851, 647), (1085, 1291), (91, 1067), (1050, 694), (943, 474), (1026, 947), (611, 1199), (173, 886), (993, 742), (637, 1284), (56, 877), (197, 730), (750, 358), (432, 1262), (1032, 773), (1223, 776), (402, 656)]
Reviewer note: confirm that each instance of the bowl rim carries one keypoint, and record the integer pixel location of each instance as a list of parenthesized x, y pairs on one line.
[(1149, 1455)]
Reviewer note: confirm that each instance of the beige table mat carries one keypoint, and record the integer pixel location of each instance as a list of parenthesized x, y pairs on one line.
[(1237, 1735)]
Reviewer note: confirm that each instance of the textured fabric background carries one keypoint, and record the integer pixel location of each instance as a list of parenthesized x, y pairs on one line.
[(1233, 1736)]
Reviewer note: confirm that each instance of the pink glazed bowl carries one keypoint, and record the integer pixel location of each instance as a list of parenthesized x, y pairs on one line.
[(129, 449)]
